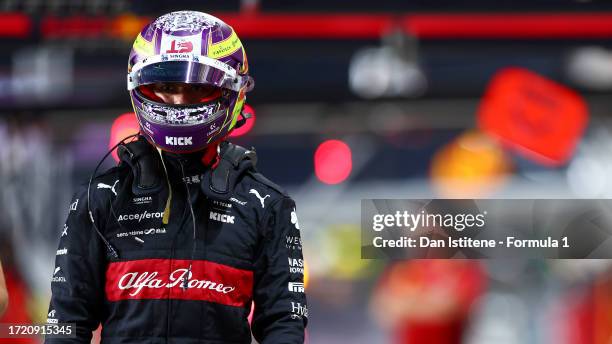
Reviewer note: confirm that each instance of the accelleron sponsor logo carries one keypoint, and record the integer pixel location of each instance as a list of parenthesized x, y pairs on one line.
[(136, 282), (138, 217)]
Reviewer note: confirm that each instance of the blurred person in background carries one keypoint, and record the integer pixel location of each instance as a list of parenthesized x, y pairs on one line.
[(19, 296), (3, 292), (428, 301), (175, 242)]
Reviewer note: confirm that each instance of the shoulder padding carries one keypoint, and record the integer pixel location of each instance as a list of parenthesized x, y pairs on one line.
[(267, 182), (234, 160), (145, 164)]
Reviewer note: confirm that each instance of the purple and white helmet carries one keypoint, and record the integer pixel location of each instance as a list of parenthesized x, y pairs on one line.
[(188, 47)]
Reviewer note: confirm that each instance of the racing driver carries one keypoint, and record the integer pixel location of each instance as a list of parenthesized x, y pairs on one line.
[(175, 243)]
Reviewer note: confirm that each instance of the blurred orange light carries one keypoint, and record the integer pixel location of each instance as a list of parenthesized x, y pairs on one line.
[(248, 125), (333, 162), (127, 26), (473, 165), (123, 126), (306, 275)]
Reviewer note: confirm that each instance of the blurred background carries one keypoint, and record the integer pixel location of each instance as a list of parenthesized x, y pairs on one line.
[(359, 99)]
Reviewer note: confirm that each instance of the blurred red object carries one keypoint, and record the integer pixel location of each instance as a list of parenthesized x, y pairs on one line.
[(588, 313), (508, 25), (428, 301), (15, 25), (75, 26), (248, 125), (443, 25), (17, 311), (123, 126), (535, 116), (333, 162)]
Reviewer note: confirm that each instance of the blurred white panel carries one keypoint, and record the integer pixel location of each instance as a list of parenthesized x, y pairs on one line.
[(42, 74)]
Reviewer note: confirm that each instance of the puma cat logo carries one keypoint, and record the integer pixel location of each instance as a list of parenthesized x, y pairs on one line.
[(261, 199)]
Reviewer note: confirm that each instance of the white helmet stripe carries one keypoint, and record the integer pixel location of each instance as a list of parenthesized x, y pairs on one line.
[(231, 74)]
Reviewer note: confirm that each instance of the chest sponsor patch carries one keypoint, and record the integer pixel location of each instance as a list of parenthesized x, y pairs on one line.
[(168, 278), (294, 242), (142, 200), (140, 216), (147, 231), (222, 204), (221, 217), (296, 265)]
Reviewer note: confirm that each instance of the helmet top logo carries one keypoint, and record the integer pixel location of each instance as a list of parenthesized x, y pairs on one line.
[(180, 47)]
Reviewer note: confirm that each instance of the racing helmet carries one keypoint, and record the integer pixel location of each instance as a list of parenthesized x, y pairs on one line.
[(194, 48)]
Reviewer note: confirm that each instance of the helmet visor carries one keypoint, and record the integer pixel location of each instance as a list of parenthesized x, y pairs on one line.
[(185, 72), (172, 114)]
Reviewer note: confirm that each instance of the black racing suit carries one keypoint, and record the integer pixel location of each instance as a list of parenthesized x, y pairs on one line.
[(166, 287)]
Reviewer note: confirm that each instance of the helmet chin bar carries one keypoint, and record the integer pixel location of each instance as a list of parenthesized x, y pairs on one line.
[(169, 150), (175, 128)]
